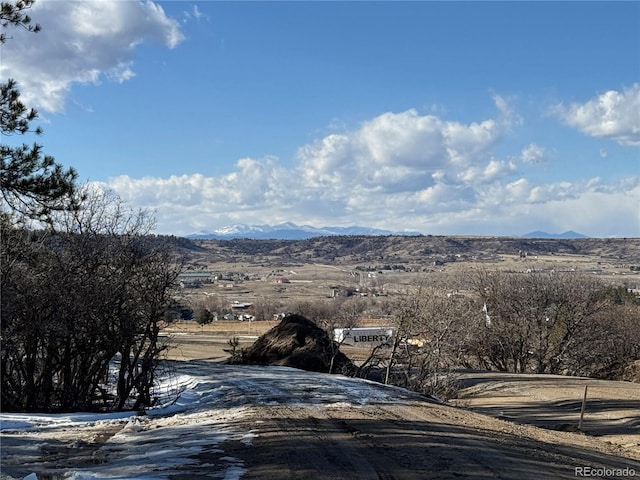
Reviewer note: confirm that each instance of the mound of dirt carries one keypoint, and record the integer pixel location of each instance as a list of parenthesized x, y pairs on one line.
[(298, 342)]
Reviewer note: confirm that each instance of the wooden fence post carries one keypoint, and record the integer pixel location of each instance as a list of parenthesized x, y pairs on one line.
[(584, 406)]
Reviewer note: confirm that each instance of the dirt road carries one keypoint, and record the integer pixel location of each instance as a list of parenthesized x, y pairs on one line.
[(309, 426), (420, 441), (277, 423)]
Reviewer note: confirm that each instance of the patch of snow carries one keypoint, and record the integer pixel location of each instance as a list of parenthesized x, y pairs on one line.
[(198, 407), (28, 421)]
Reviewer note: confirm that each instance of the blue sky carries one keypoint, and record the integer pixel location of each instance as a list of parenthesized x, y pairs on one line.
[(483, 118)]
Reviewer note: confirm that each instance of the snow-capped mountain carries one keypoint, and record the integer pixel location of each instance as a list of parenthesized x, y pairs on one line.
[(288, 231)]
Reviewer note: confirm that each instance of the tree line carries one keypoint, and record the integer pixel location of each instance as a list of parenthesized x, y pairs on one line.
[(563, 323)]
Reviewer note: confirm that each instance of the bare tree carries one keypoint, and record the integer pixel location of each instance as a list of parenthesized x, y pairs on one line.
[(430, 334), (347, 313), (317, 311), (264, 308), (610, 342), (82, 308), (536, 319), (216, 304)]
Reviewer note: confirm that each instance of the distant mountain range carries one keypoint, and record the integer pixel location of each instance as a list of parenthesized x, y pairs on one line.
[(288, 231), (291, 231), (568, 234)]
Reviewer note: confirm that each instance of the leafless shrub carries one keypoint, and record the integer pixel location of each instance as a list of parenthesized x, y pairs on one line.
[(82, 308), (561, 323), (429, 340)]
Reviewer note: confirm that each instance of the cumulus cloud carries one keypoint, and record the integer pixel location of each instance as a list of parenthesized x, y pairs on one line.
[(403, 152), (520, 206), (400, 171), (193, 202), (190, 203), (488, 173), (395, 162), (612, 115), (588, 207), (533, 153), (82, 42)]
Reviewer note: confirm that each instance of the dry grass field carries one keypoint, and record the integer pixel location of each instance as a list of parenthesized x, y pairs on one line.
[(189, 341), (312, 269)]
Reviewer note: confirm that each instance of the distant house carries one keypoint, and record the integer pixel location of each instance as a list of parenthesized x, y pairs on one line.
[(340, 291), (594, 271), (195, 279), (282, 280), (236, 305), (202, 276)]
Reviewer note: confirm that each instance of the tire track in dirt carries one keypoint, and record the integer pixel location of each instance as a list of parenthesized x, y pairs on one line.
[(306, 442), (415, 442)]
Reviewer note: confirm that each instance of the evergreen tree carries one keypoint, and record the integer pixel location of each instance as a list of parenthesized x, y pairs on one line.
[(204, 317), (31, 183)]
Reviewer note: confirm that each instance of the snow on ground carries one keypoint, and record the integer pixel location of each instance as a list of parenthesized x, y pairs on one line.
[(199, 407)]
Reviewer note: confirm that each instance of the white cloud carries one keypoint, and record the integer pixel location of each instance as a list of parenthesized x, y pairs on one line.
[(402, 152), (195, 14), (398, 171), (592, 209), (509, 115), (82, 42), (612, 115), (189, 203), (518, 207), (533, 153), (490, 172)]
